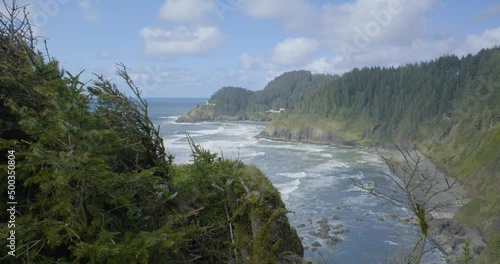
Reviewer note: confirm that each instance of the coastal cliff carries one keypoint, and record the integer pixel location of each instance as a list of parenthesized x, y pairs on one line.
[(448, 108), (93, 183), (280, 96), (307, 131)]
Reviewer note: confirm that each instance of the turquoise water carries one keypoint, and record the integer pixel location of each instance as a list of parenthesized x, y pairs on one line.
[(314, 182)]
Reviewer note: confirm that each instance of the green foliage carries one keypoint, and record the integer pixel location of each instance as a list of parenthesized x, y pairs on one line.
[(467, 255), (285, 91), (491, 254), (88, 176), (93, 182), (448, 106), (230, 101), (229, 197)]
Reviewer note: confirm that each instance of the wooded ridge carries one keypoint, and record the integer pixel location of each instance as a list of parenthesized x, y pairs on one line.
[(448, 107)]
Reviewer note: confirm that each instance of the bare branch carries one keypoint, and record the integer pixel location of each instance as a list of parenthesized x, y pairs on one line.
[(421, 191)]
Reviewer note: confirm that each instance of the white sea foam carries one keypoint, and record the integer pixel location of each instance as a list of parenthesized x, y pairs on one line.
[(361, 200), (168, 120), (205, 132), (329, 167), (391, 243), (369, 158), (294, 175), (228, 145), (241, 130), (168, 142), (254, 154), (292, 146), (287, 188), (312, 179)]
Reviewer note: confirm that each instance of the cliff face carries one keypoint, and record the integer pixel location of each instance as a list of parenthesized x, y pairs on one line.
[(302, 134), (261, 229), (198, 114), (447, 107), (311, 130), (234, 103), (242, 208), (113, 195)]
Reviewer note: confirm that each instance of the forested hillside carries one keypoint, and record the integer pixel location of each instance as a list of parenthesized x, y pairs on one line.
[(448, 107), (284, 92), (89, 181)]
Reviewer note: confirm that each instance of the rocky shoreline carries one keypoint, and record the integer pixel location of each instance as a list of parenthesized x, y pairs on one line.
[(449, 236)]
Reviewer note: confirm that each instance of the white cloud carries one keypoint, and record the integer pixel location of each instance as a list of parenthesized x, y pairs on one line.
[(181, 40), (185, 10), (90, 13), (419, 50), (357, 33), (274, 8), (272, 74), (364, 23), (293, 51), (474, 43), (324, 65), (248, 62), (360, 23), (294, 13)]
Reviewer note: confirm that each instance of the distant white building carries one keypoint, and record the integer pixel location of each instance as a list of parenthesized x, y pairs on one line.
[(208, 103), (277, 111)]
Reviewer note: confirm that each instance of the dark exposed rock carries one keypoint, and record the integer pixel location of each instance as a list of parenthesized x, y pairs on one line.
[(333, 240), (456, 241), (322, 221), (316, 244), (339, 229), (456, 229), (305, 134), (496, 225), (477, 249), (436, 225)]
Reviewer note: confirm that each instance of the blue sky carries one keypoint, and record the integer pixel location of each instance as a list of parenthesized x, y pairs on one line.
[(191, 48)]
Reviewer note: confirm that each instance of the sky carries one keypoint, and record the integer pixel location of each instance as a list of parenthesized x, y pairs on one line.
[(192, 48)]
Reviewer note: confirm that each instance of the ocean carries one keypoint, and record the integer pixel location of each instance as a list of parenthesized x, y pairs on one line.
[(314, 182)]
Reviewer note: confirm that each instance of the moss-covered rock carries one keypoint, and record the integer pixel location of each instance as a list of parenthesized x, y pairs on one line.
[(243, 205), (491, 253), (198, 113), (312, 130), (260, 222)]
